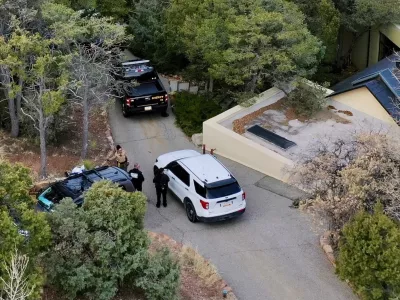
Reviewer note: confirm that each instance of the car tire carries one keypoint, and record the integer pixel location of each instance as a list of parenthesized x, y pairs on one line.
[(124, 112), (190, 211)]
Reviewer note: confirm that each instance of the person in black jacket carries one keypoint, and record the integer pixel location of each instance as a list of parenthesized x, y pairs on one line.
[(137, 177), (161, 182)]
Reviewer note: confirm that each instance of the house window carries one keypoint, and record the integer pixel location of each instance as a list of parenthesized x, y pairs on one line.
[(386, 46)]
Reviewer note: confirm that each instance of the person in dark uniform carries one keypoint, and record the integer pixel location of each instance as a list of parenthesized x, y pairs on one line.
[(161, 182), (137, 177)]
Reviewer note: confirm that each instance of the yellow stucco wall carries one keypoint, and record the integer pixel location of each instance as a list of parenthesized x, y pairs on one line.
[(362, 100), (392, 31), (241, 149), (360, 51), (359, 55)]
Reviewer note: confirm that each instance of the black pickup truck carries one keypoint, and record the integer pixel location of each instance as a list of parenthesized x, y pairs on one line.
[(141, 88)]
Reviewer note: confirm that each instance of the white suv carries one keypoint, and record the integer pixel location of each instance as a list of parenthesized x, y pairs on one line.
[(207, 189)]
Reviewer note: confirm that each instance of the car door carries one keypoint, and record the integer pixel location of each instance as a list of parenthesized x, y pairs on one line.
[(168, 171), (180, 179)]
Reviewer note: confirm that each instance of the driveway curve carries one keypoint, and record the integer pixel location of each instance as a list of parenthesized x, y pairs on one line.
[(269, 253)]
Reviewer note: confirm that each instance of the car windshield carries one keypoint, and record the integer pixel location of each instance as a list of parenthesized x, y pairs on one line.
[(223, 191)]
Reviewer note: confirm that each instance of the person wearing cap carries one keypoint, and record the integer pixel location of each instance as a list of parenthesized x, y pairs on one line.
[(137, 177), (121, 158)]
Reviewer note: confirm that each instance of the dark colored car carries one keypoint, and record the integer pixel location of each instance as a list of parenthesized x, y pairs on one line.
[(74, 186), (141, 89)]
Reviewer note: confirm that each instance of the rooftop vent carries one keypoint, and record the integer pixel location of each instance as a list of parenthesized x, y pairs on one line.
[(271, 137)]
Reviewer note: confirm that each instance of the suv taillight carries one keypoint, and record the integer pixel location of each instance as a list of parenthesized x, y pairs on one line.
[(243, 196), (129, 101), (166, 97), (204, 204)]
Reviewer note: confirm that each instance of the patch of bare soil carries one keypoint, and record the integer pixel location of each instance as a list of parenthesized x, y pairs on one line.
[(239, 124), (64, 153), (329, 113)]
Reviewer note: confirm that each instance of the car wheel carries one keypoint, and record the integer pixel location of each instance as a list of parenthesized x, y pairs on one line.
[(190, 211), (125, 113)]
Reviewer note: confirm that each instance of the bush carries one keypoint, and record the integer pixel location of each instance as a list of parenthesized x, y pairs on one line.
[(350, 174), (88, 164), (16, 208), (159, 278), (307, 100), (369, 253), (192, 110), (97, 246)]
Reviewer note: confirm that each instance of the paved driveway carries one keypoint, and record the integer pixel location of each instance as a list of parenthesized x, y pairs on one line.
[(271, 252)]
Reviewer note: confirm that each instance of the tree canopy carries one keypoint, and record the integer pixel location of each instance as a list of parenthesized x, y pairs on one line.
[(17, 219), (106, 236), (245, 43)]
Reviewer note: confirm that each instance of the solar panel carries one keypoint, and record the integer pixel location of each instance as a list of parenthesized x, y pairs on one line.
[(391, 81), (271, 137)]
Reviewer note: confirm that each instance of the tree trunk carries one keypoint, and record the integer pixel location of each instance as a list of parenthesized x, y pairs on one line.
[(253, 82), (19, 97), (85, 135), (211, 85), (5, 79), (43, 154), (13, 117)]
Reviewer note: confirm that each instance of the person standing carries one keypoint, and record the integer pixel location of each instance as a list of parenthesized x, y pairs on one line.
[(137, 177), (161, 182), (121, 158)]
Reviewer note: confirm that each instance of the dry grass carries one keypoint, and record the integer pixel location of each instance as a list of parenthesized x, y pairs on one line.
[(191, 259), (200, 279)]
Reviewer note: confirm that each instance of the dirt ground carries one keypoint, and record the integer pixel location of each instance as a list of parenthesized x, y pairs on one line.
[(239, 125), (64, 155)]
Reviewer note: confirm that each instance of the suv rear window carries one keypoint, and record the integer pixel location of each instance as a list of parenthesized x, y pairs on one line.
[(223, 191)]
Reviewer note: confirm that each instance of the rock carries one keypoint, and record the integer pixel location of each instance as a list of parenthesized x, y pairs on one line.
[(328, 249), (197, 139)]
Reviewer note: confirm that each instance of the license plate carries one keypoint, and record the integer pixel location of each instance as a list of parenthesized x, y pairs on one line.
[(148, 108), (226, 204)]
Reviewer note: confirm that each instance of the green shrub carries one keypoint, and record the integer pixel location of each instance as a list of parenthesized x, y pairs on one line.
[(369, 255), (306, 100), (97, 246), (159, 278), (88, 164), (16, 206), (192, 110)]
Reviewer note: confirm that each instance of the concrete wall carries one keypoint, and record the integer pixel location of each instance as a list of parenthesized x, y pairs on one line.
[(242, 150), (362, 100), (218, 133)]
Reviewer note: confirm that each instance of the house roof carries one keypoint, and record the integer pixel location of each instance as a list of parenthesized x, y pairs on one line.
[(382, 80)]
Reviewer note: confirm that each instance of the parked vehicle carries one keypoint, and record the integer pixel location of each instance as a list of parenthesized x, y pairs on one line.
[(207, 189), (141, 89), (75, 185)]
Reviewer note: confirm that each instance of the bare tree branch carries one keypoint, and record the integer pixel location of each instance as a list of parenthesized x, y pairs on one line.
[(15, 284)]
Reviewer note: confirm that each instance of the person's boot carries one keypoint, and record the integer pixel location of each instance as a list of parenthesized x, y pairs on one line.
[(165, 204), (158, 204)]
